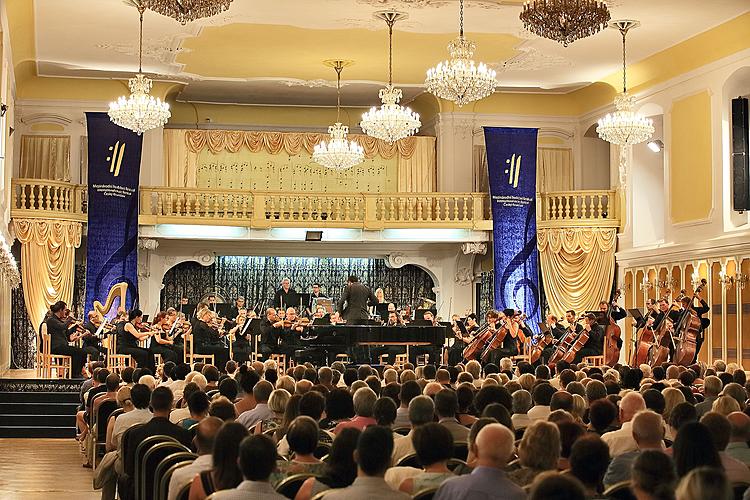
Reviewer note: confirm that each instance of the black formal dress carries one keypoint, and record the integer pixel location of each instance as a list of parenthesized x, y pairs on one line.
[(354, 301), (59, 337), (128, 344), (282, 299), (92, 345), (168, 352), (456, 351), (242, 346), (206, 340)]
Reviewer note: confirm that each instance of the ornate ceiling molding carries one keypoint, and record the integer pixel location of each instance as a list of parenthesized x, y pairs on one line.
[(46, 118), (532, 59), (422, 4)]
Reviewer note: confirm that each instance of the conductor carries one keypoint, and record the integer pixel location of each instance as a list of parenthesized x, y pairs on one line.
[(354, 301)]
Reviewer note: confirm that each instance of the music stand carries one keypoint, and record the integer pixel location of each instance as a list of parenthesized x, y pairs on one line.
[(381, 310), (222, 309), (420, 322), (543, 327), (636, 314), (304, 302), (254, 330)]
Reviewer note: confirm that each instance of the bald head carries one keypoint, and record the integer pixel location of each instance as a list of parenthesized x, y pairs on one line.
[(493, 446), (631, 404), (432, 388), (648, 429), (740, 423), (207, 430)]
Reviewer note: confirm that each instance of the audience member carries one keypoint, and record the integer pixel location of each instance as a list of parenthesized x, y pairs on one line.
[(421, 411), (621, 441), (555, 486), (653, 476), (589, 457), (740, 435), (224, 473), (434, 446), (256, 461), (538, 451), (648, 433), (302, 438), (704, 483), (446, 407), (339, 471), (261, 393), (720, 428), (204, 443), (693, 447)]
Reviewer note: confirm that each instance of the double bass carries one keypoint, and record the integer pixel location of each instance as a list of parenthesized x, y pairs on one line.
[(687, 331), (612, 335), (645, 341)]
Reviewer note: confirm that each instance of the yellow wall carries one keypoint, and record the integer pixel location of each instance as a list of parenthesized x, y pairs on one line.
[(690, 163)]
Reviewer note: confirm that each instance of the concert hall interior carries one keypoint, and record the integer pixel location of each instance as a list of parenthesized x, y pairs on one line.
[(360, 193)]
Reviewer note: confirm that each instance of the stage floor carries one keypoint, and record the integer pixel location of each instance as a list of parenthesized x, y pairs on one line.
[(19, 374)]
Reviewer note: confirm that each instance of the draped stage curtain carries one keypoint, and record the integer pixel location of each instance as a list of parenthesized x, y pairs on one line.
[(47, 263), (45, 157), (578, 266), (249, 157), (554, 170), (257, 278)]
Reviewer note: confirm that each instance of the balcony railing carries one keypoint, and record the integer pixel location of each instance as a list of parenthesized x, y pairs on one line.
[(572, 208), (263, 209), (50, 199), (270, 208)]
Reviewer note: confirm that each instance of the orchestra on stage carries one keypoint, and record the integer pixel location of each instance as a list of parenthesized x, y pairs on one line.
[(363, 328)]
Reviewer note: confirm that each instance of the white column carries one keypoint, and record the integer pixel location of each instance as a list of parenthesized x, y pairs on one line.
[(454, 152)]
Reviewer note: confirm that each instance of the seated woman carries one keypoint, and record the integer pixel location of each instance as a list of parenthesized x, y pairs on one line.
[(225, 473), (162, 342), (340, 470), (302, 437), (434, 446), (198, 404), (538, 451), (128, 336)]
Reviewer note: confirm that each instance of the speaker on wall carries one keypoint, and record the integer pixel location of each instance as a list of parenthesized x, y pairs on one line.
[(740, 160)]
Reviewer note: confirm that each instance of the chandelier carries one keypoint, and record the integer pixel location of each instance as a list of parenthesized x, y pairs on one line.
[(624, 127), (565, 21), (460, 79), (338, 153), (391, 121), (186, 11), (139, 111)]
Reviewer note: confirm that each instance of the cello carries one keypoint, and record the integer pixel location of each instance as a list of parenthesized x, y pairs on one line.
[(645, 341), (496, 342), (687, 331), (659, 353), (577, 345), (563, 345), (481, 338), (612, 335)]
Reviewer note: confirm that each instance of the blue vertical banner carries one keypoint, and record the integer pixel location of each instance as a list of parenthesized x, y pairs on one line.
[(112, 240), (511, 160)]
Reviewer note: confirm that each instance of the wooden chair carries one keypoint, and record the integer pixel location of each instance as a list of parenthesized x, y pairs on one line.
[(280, 361), (401, 360), (619, 491), (422, 359), (191, 357), (594, 360), (48, 361), (116, 362), (525, 353), (344, 358)]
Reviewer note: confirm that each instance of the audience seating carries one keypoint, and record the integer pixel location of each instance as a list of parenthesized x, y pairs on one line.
[(402, 431), (47, 362), (105, 410), (409, 460), (322, 450), (184, 493), (151, 459), (460, 450), (619, 491), (291, 485), (140, 452), (453, 463), (166, 468), (425, 494), (739, 490)]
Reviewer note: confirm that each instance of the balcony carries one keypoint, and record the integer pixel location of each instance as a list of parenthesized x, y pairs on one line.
[(266, 209)]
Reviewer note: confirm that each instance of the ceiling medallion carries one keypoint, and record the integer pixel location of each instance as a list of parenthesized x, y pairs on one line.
[(564, 21), (391, 121), (338, 153), (139, 111), (460, 79), (185, 11)]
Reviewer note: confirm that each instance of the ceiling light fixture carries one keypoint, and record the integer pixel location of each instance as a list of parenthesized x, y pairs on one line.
[(565, 21), (391, 121), (655, 146), (186, 11), (460, 79), (338, 153), (139, 111)]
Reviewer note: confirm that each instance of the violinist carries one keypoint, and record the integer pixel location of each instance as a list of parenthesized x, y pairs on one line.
[(394, 319), (455, 351), (428, 316), (129, 333), (320, 311), (268, 332), (162, 342), (594, 346), (406, 315), (92, 337), (60, 334), (241, 335), (239, 305), (207, 339), (495, 321)]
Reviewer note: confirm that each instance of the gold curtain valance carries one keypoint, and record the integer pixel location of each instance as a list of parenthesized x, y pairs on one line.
[(578, 265), (54, 233), (290, 142)]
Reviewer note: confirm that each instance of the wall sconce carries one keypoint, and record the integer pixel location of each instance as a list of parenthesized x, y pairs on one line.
[(655, 146), (669, 283), (741, 280), (646, 284), (725, 279), (695, 280)]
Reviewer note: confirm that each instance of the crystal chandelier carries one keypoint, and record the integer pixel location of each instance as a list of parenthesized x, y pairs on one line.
[(139, 111), (186, 11), (565, 21), (460, 79), (391, 121), (624, 127), (338, 153)]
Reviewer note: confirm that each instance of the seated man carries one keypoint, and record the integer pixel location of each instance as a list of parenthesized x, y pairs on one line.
[(648, 433), (204, 443), (257, 462), (206, 340), (373, 456)]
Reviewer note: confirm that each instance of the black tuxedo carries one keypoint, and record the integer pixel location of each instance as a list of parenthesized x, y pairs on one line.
[(354, 301), (59, 337)]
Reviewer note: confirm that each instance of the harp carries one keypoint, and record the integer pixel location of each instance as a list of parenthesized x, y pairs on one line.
[(118, 290)]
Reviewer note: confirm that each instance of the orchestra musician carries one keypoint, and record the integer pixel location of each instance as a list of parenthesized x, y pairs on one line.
[(60, 334), (701, 308), (652, 311), (285, 296), (354, 301), (129, 333), (394, 319), (618, 313), (267, 339), (316, 294), (207, 339), (162, 343), (594, 346), (557, 332), (320, 312), (240, 332), (92, 337), (234, 311), (456, 350), (573, 325)]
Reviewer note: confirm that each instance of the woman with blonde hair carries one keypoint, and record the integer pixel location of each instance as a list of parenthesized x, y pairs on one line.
[(725, 405), (527, 381), (579, 408), (277, 403), (672, 397), (704, 482), (538, 451), (287, 383)]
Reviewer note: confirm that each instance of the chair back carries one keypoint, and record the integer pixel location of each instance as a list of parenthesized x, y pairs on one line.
[(460, 450), (212, 393), (103, 413), (184, 493), (453, 463), (425, 494), (140, 451), (166, 468), (291, 485), (619, 491), (151, 459), (322, 450), (739, 489), (409, 460), (401, 431)]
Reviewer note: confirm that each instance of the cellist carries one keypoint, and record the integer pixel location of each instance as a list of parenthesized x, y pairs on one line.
[(557, 331), (573, 325), (594, 346)]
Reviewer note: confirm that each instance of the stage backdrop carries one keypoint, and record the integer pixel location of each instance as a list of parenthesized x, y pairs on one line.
[(511, 160), (112, 244)]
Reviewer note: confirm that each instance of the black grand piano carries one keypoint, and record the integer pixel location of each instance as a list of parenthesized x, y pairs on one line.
[(332, 339)]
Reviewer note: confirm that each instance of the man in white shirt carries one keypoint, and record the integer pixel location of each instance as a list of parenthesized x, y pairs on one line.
[(257, 461), (140, 395), (204, 442), (421, 411), (621, 440), (261, 392), (542, 396)]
